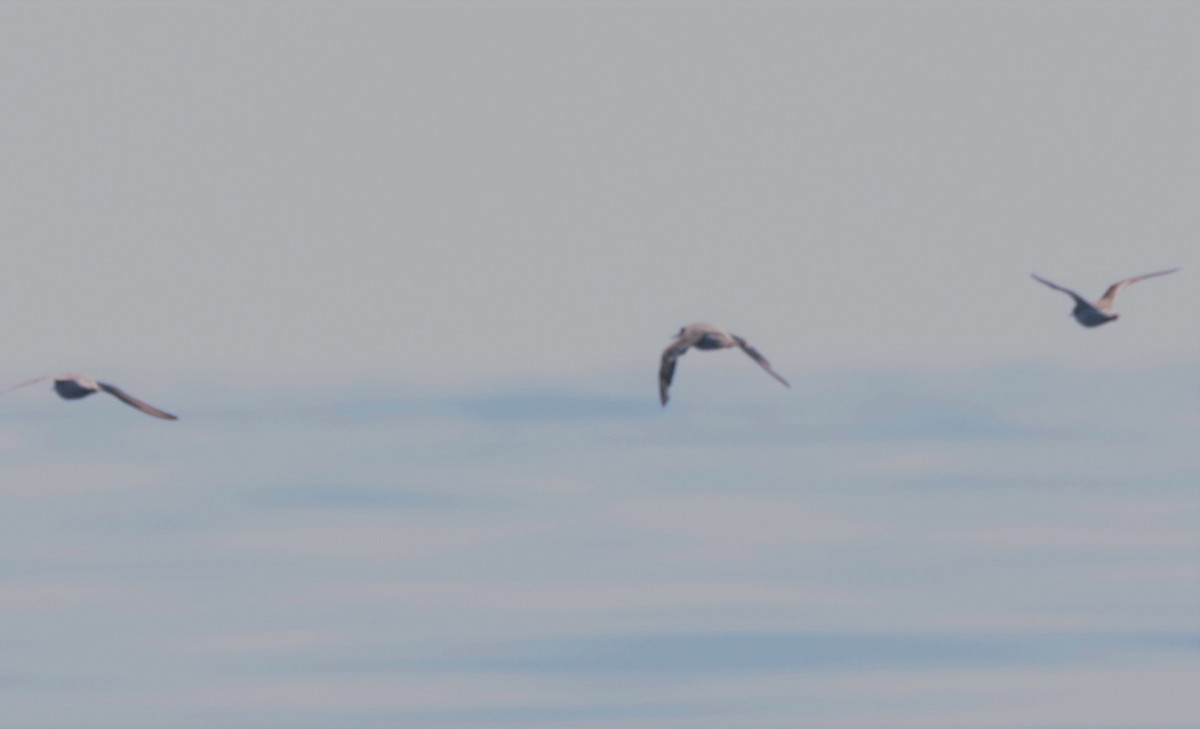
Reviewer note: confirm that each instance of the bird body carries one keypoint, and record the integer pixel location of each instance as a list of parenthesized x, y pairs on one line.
[(75, 387), (704, 336), (1093, 315)]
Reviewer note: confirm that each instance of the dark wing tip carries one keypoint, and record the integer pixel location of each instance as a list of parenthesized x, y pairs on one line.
[(666, 373), (664, 381)]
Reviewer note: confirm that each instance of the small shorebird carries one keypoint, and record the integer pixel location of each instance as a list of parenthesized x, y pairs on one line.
[(74, 387), (704, 336), (1093, 315)]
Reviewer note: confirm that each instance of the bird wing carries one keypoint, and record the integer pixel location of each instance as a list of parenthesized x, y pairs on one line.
[(1105, 302), (134, 402), (667, 370), (757, 357), (1078, 299), (27, 383)]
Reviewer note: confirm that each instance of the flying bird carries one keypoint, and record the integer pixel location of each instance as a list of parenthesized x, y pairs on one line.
[(74, 387), (1093, 315), (704, 336)]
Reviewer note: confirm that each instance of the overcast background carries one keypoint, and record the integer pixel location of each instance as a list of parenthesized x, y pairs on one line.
[(405, 271)]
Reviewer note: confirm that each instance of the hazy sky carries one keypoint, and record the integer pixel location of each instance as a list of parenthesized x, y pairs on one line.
[(871, 550), (437, 192), (405, 270)]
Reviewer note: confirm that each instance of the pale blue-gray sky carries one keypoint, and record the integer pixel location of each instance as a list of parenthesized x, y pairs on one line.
[(911, 550), (447, 191), (405, 269)]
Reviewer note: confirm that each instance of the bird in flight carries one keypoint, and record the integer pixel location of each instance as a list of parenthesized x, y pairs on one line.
[(1093, 315), (704, 336), (74, 387)]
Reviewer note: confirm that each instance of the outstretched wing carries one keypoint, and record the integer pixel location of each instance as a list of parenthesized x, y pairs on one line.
[(134, 402), (1105, 302), (26, 383), (1078, 299), (666, 371), (757, 357)]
